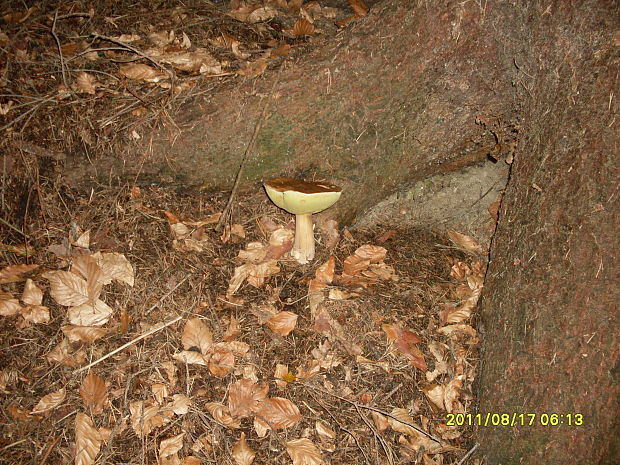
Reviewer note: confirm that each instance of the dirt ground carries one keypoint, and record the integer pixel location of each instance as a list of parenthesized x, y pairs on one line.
[(134, 330)]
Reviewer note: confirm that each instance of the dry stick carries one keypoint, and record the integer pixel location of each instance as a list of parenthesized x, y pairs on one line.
[(466, 456), (62, 59), (124, 346), (248, 149), (374, 409)]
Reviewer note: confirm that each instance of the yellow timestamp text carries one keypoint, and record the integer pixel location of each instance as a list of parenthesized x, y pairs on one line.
[(514, 419)]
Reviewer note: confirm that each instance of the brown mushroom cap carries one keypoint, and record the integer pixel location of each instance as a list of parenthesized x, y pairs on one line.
[(302, 197)]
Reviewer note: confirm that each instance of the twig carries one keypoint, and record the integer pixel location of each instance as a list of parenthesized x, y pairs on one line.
[(248, 149), (152, 307), (12, 227), (134, 50), (62, 60), (374, 409), (466, 456), (124, 346)]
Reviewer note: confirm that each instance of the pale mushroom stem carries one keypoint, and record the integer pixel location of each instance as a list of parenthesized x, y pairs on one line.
[(303, 247)]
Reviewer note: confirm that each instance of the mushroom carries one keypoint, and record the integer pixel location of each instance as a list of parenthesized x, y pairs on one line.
[(302, 199)]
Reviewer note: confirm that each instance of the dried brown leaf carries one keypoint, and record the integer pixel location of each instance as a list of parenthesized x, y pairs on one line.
[(222, 361), (466, 242), (88, 440), (283, 323), (67, 288), (88, 334), (359, 7), (302, 27), (145, 418), (278, 412), (9, 306), (142, 72), (94, 392), (324, 430), (50, 401), (242, 453), (14, 273), (191, 357), (262, 14), (180, 404), (171, 446), (324, 275), (405, 340), (197, 334), (253, 69), (86, 83), (90, 315), (115, 266), (221, 414), (32, 295), (304, 452), (244, 397)]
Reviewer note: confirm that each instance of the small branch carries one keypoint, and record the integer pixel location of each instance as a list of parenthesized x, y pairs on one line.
[(152, 307), (374, 409), (62, 60), (134, 50), (248, 149), (9, 225), (124, 346), (466, 456)]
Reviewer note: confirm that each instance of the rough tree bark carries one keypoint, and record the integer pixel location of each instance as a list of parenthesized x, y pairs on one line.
[(552, 290), (421, 88)]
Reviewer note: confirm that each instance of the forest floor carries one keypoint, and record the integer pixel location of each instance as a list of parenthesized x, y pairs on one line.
[(134, 330)]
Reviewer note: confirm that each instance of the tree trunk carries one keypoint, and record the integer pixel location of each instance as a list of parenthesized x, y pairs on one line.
[(551, 294)]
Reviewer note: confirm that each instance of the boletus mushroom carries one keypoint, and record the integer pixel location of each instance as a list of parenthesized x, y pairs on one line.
[(302, 199)]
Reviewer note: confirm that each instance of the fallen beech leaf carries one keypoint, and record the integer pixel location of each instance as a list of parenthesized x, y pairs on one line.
[(115, 266), (283, 323), (171, 446), (88, 440), (402, 426), (191, 357), (86, 83), (359, 7), (197, 334), (32, 295), (302, 27), (90, 315), (253, 69), (94, 392), (278, 412), (466, 242), (374, 253), (142, 72), (244, 397), (304, 452), (67, 288), (180, 404), (13, 273), (160, 392), (324, 275), (452, 330), (323, 430), (280, 242), (9, 306), (282, 377), (242, 453), (381, 422), (50, 401), (435, 393), (261, 427), (221, 414), (145, 418), (405, 341), (222, 361), (262, 14)]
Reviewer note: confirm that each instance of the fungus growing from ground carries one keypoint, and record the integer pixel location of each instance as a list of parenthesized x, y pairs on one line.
[(302, 198)]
